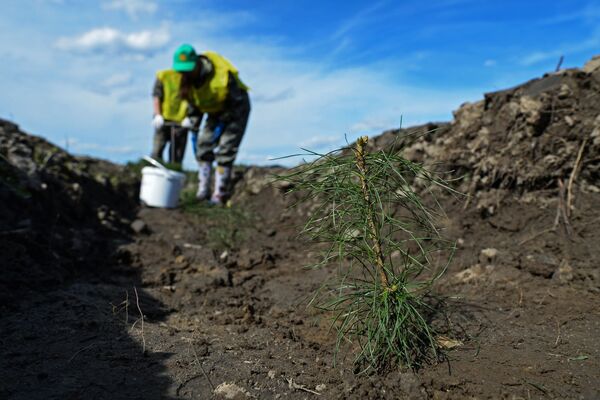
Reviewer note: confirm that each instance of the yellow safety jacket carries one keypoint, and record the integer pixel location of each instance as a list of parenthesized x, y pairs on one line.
[(173, 107), (208, 98)]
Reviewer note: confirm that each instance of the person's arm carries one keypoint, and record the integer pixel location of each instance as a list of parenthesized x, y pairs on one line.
[(236, 94), (195, 116), (157, 96), (156, 106)]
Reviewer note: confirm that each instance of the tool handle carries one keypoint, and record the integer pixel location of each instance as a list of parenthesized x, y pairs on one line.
[(155, 163)]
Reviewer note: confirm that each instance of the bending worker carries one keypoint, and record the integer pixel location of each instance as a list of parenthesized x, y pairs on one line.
[(209, 84)]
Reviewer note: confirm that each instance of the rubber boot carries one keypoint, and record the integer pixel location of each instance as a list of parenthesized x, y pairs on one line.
[(222, 178), (204, 172)]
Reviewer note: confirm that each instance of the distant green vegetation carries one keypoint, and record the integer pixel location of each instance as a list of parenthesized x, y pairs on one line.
[(226, 226), (136, 166)]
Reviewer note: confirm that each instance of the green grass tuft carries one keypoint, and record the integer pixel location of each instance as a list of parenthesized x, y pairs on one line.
[(227, 227)]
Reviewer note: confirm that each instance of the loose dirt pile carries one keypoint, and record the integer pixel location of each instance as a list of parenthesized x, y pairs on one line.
[(57, 211), (223, 292)]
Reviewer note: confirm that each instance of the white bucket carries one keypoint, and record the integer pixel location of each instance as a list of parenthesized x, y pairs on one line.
[(161, 187)]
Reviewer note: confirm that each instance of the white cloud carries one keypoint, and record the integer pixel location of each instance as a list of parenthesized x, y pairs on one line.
[(86, 147), (132, 7), (112, 40), (588, 14), (295, 102), (592, 42), (75, 145), (118, 83), (281, 95), (370, 125), (489, 63), (117, 80), (363, 17), (540, 56), (299, 103), (327, 108), (317, 142)]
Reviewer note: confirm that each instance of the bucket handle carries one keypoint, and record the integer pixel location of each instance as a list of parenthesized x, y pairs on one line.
[(155, 163)]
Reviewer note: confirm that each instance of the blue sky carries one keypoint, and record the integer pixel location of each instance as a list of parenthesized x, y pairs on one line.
[(80, 73)]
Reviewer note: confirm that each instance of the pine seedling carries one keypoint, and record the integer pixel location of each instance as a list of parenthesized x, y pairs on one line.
[(366, 213)]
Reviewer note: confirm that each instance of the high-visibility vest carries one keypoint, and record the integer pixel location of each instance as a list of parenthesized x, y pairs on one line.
[(173, 107), (210, 97)]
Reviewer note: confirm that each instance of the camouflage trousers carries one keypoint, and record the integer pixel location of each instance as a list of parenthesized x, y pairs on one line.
[(223, 132), (176, 136)]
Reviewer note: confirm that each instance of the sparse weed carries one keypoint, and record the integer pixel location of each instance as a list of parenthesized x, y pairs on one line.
[(373, 223), (135, 167), (226, 226)]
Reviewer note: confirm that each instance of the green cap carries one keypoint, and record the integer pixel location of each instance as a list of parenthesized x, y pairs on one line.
[(184, 59)]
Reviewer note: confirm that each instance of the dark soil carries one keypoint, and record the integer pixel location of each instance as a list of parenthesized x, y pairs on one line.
[(224, 293)]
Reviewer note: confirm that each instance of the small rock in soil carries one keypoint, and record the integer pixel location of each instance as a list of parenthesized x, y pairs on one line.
[(540, 264), (139, 226), (223, 256), (230, 391), (220, 277), (488, 256), (564, 273)]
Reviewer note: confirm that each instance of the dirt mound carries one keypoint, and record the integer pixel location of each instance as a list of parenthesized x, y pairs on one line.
[(528, 161), (521, 139), (57, 210)]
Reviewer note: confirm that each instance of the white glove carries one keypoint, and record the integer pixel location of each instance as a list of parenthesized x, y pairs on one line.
[(187, 123), (158, 121)]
